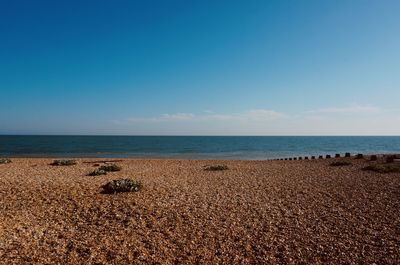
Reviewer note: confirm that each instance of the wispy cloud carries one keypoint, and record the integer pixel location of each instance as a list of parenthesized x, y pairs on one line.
[(251, 115), (354, 119), (352, 109), (175, 117)]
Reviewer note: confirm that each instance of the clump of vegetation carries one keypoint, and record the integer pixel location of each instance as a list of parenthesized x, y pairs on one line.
[(63, 163), (340, 163), (216, 167), (384, 168), (110, 168), (5, 160), (121, 185), (97, 172)]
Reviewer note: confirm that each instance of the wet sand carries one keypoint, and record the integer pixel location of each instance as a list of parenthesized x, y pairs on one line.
[(257, 212)]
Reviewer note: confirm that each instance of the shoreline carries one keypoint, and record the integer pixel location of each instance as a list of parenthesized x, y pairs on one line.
[(189, 158), (255, 212)]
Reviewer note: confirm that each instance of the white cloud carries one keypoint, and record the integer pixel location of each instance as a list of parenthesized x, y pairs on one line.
[(176, 117), (251, 115), (162, 118), (349, 120), (262, 114), (352, 109)]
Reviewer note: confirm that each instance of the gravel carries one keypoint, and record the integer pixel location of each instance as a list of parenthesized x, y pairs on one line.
[(257, 212)]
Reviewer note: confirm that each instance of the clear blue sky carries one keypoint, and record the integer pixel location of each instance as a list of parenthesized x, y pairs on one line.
[(200, 67)]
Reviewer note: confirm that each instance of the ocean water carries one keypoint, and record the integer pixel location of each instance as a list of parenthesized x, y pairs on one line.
[(194, 147)]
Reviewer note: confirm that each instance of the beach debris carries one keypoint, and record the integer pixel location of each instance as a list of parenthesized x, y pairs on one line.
[(340, 163), (216, 167), (97, 172), (359, 156), (373, 157), (122, 185), (5, 160), (63, 162), (347, 155), (110, 168), (383, 168)]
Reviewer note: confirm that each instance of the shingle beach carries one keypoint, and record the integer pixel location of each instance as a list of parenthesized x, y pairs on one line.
[(255, 212)]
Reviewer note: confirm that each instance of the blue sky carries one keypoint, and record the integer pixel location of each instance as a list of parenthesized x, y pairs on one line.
[(200, 67)]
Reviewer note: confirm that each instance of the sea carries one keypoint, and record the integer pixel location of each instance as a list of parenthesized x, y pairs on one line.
[(194, 147)]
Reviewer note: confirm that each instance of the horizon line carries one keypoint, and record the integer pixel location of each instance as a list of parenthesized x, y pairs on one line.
[(208, 135)]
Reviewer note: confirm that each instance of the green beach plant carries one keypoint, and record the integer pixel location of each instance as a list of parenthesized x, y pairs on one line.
[(110, 168), (5, 160), (63, 162), (97, 172), (122, 185), (384, 168), (216, 167)]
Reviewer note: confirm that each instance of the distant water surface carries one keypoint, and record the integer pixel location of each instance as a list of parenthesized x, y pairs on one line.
[(194, 147)]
